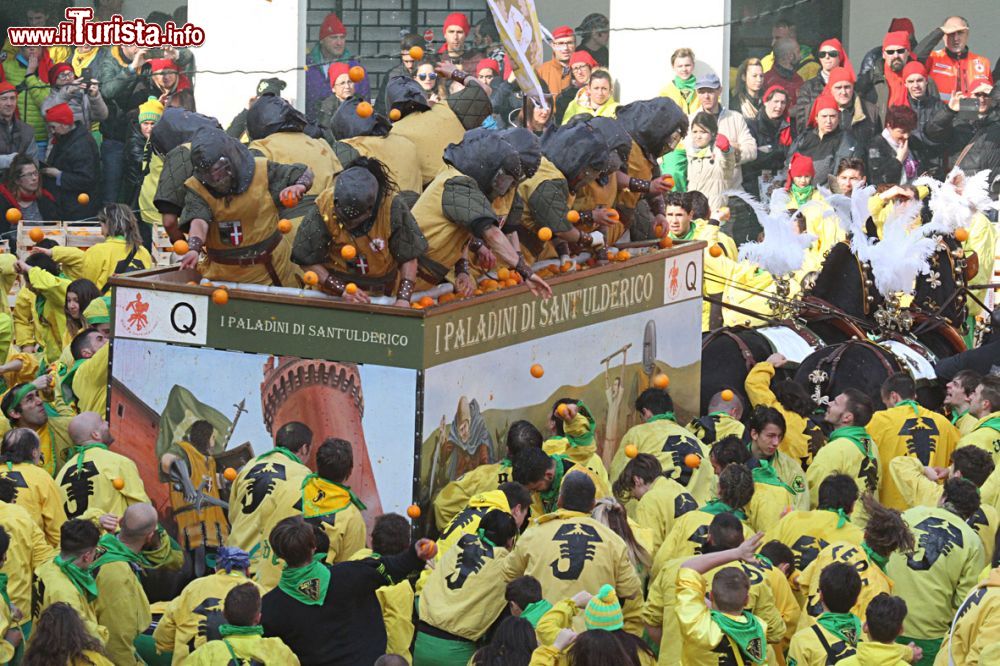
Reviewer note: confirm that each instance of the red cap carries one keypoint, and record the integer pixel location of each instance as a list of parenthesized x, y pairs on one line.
[(331, 26), (845, 62), (583, 57), (60, 113), (562, 32), (902, 25), (488, 63), (7, 87), (336, 69), (160, 64), (914, 67), (838, 75), (459, 19), (824, 101), (801, 165), (57, 69), (773, 89), (897, 38)]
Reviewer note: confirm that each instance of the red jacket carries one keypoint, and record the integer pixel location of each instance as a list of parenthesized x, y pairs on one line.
[(963, 75)]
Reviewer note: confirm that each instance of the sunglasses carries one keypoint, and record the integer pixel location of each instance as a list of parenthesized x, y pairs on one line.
[(892, 52), (425, 77), (829, 54)]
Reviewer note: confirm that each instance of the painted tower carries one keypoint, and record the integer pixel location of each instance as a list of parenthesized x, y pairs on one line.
[(327, 397)]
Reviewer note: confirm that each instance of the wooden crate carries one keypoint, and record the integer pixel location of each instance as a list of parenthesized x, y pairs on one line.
[(82, 234), (163, 248), (52, 230)]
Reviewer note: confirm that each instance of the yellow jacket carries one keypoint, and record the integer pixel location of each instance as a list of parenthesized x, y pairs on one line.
[(547, 655), (965, 422), (809, 532), (52, 585), (193, 617), (842, 455), (6, 624), (90, 383), (985, 435), (670, 442), (877, 654), (8, 276), (567, 615), (28, 551), (27, 328), (940, 572), (98, 263), (705, 644), (983, 241), (688, 537), (909, 429), (245, 649), (715, 426), (541, 506), (977, 625), (918, 490), (52, 318), (690, 104), (462, 595), (874, 580), (39, 495), (581, 455), (797, 437), (86, 483), (568, 551), (397, 612), (662, 597), (263, 476), (456, 495), (664, 502), (806, 648)]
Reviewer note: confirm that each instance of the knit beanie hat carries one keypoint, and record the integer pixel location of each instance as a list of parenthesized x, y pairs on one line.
[(332, 25), (57, 69), (151, 109), (603, 611), (897, 38), (60, 113), (99, 311), (914, 67), (457, 19), (337, 70), (583, 57), (563, 32)]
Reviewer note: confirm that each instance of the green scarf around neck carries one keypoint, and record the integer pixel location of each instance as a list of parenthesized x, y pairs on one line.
[(992, 423), (800, 195), (879, 561), (842, 518), (82, 580), (749, 636), (83, 448), (116, 551), (957, 415), (226, 630), (845, 626), (764, 472), (690, 232), (686, 86), (859, 436), (308, 584), (283, 451), (3, 588), (716, 506), (586, 438), (534, 612), (551, 496), (912, 403), (665, 416)]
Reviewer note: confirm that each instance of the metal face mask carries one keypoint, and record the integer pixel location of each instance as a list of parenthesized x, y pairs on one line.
[(217, 177)]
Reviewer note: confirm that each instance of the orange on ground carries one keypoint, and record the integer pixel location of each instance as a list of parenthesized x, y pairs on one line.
[(284, 226), (310, 278), (181, 247), (715, 251), (13, 215), (413, 511), (220, 296), (356, 73), (661, 381), (364, 109), (692, 460), (537, 371), (83, 198), (631, 450), (727, 395), (118, 482), (348, 252), (229, 474)]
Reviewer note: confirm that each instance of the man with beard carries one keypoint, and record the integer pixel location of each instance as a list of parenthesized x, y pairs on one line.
[(89, 480), (362, 210), (231, 209), (24, 408), (456, 209), (885, 86)]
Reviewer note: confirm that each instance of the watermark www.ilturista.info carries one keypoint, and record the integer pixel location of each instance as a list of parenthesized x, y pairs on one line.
[(79, 29)]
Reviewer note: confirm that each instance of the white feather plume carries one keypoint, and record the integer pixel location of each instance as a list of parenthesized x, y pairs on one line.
[(782, 250), (901, 255), (955, 201)]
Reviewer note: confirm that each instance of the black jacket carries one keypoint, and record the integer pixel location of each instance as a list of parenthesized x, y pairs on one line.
[(76, 155), (134, 164), (982, 135), (883, 167), (931, 154), (771, 154), (347, 628), (827, 152), (864, 129), (808, 92)]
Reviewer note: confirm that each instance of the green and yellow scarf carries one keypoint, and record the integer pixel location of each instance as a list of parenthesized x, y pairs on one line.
[(322, 498), (307, 585), (749, 636)]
